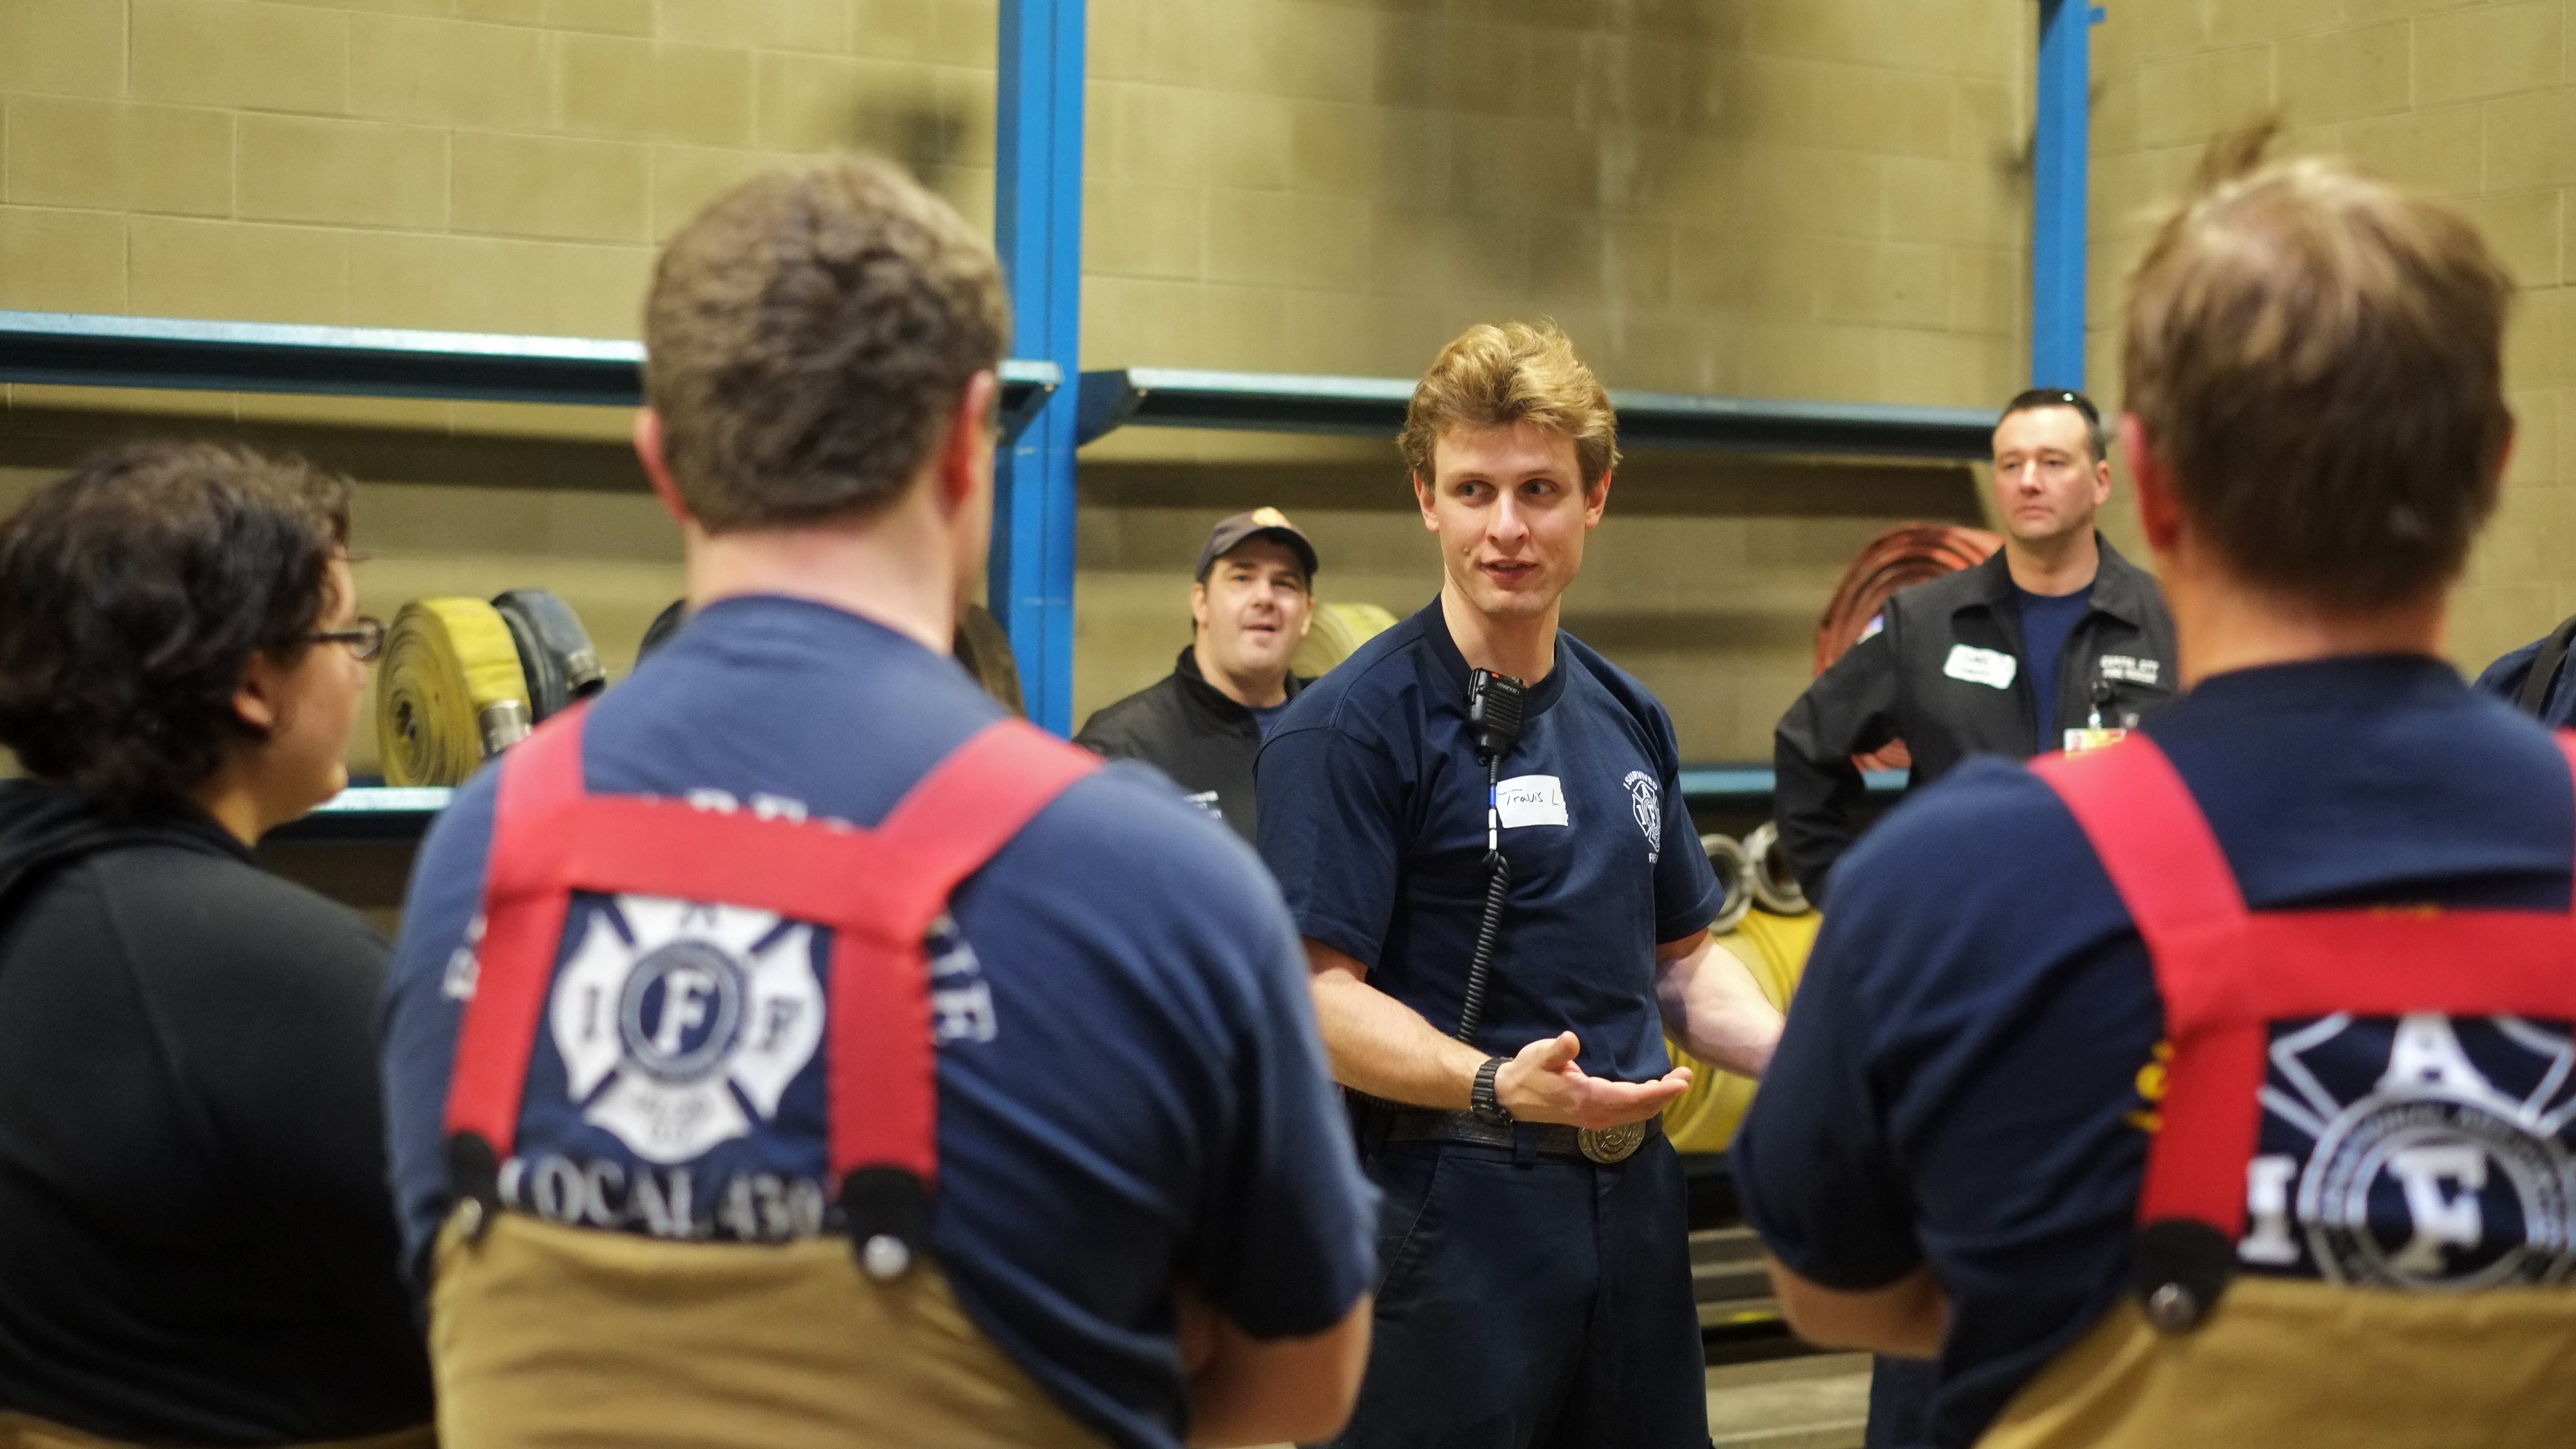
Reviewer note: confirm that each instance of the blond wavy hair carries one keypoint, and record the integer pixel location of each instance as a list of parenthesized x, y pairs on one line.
[(1492, 377)]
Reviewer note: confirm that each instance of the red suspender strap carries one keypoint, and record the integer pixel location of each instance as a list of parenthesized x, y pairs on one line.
[(2169, 872), (539, 792), (878, 890), (883, 1078)]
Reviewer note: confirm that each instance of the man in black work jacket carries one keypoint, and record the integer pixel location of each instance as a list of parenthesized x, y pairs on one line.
[(1202, 723), (2054, 643), (1950, 666)]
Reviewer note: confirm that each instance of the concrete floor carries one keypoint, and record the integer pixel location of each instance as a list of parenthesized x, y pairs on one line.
[(1798, 1403)]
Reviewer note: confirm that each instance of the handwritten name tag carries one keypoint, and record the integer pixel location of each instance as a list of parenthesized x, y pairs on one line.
[(1981, 666), (1530, 800)]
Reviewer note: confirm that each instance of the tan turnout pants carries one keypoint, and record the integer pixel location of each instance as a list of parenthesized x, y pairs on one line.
[(549, 1337)]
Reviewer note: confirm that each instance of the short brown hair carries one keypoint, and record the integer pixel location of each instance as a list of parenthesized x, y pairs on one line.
[(2031, 400), (2317, 358), (1492, 377), (133, 594), (808, 335)]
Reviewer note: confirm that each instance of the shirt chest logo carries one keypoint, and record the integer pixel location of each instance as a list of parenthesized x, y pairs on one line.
[(1981, 666), (1646, 803), (2131, 670), (1530, 800)]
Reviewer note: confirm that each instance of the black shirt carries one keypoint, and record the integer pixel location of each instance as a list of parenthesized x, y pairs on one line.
[(1194, 732), (1373, 819), (197, 1243)]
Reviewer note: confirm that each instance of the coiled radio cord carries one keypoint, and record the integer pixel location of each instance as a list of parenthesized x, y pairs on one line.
[(1496, 704)]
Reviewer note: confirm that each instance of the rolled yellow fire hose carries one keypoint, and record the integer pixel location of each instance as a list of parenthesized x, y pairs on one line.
[(450, 692), (1337, 633), (1774, 949)]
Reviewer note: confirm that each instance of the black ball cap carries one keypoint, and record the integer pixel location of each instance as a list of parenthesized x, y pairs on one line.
[(1260, 522)]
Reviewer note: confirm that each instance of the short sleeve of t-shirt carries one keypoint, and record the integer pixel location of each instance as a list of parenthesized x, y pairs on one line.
[(1330, 807), (1283, 1248), (1829, 1201), (424, 1007), (1686, 891)]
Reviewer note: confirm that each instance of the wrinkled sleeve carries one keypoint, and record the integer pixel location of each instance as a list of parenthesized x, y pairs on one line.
[(1849, 710), (441, 917), (1813, 1168), (1287, 1246), (1687, 894), (1332, 809)]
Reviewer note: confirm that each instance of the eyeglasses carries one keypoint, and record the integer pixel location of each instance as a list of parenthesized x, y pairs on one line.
[(366, 638)]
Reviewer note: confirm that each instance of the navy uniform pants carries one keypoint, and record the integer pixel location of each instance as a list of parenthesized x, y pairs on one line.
[(1900, 1402), (1531, 1302)]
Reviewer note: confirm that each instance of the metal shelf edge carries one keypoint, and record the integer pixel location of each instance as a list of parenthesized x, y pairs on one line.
[(1285, 402), (381, 813), (82, 349)]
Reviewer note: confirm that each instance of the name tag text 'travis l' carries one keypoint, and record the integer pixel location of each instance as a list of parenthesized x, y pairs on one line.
[(1530, 800)]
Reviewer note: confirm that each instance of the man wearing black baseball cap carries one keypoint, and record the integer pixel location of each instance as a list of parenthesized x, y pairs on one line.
[(1203, 723)]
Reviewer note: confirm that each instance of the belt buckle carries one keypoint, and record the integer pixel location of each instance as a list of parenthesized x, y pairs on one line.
[(1607, 1145)]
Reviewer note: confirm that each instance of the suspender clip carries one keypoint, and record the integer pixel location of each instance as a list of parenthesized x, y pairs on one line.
[(2180, 1268), (474, 1179), (887, 1212)]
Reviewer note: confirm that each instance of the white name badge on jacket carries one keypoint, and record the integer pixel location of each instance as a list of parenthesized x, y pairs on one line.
[(1530, 800), (1981, 666)]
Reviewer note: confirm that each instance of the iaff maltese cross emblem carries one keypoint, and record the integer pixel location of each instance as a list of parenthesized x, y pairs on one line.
[(674, 1017), (2427, 1153)]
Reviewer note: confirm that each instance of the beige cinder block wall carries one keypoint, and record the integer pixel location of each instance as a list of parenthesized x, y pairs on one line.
[(1811, 198), (1800, 198), (2475, 103)]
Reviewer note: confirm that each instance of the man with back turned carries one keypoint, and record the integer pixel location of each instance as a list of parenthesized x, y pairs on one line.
[(2213, 1087), (790, 1048)]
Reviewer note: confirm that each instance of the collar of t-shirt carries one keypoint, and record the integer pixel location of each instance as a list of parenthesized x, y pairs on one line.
[(1266, 716), (2047, 620), (1435, 632)]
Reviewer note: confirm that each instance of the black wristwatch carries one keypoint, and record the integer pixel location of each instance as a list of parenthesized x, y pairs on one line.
[(1482, 1100)]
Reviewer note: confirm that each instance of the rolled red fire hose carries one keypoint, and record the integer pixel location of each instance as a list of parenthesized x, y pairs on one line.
[(1909, 553)]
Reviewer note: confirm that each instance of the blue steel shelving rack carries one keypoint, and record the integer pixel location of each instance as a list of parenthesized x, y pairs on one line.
[(2060, 147), (1039, 236)]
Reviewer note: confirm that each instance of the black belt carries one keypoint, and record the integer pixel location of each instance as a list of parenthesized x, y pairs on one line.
[(1548, 1139)]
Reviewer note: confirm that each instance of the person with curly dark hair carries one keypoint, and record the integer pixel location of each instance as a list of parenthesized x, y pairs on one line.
[(196, 1245)]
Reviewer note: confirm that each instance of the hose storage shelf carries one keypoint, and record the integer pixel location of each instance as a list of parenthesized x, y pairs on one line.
[(378, 813)]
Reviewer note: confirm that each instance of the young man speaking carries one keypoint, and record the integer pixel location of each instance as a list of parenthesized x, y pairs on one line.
[(1504, 905)]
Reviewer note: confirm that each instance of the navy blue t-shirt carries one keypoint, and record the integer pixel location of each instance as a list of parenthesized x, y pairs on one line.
[(2046, 621), (2505, 678), (1373, 819), (1967, 1077), (1131, 1088), (1266, 717)]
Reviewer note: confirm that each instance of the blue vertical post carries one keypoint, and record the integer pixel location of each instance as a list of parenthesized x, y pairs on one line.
[(1038, 231), (2058, 194)]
